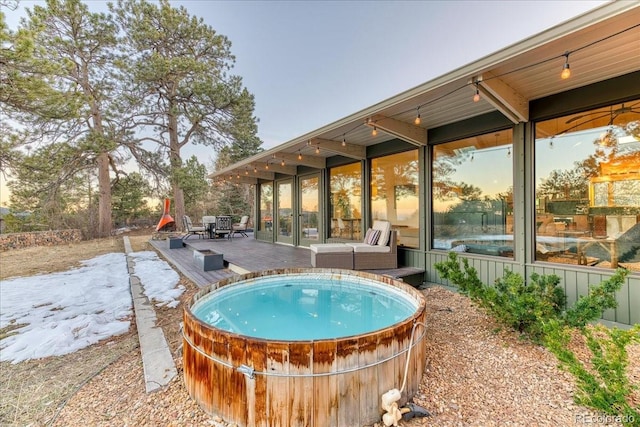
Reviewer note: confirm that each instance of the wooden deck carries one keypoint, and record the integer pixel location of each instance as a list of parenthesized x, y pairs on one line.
[(182, 260), (245, 254)]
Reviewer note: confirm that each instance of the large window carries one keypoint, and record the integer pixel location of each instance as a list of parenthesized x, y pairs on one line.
[(309, 188), (346, 202), (587, 168), (472, 195), (394, 195), (266, 207)]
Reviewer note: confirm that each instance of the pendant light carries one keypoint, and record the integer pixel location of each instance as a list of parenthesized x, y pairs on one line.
[(566, 70)]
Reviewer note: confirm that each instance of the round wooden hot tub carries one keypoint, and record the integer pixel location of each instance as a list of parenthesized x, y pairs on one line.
[(318, 382)]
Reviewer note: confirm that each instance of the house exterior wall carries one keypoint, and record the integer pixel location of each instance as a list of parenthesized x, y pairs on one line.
[(574, 279)]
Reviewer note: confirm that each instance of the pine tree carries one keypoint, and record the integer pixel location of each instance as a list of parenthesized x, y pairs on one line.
[(180, 81)]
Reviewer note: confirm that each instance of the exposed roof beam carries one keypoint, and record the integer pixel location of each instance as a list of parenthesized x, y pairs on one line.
[(349, 150), (244, 179), (262, 174), (503, 97), (231, 175), (275, 166), (307, 160), (405, 131)]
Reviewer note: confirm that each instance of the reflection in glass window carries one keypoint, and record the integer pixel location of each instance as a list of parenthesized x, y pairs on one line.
[(394, 195), (587, 168), (310, 211), (472, 195), (285, 208), (346, 200), (266, 207)]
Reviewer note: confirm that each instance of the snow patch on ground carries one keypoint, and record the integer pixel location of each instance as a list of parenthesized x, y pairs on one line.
[(60, 313)]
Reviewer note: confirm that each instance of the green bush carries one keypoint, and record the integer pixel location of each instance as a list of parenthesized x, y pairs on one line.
[(467, 281), (536, 310), (525, 307), (605, 387), (600, 298)]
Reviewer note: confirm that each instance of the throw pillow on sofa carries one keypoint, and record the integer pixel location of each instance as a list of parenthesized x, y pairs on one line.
[(372, 236), (385, 231)]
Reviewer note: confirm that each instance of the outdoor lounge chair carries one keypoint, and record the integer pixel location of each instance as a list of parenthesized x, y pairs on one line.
[(374, 253), (381, 254), (241, 227), (365, 259), (190, 229)]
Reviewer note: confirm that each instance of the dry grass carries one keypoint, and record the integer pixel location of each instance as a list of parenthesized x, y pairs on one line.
[(50, 259), (32, 392), (27, 262)]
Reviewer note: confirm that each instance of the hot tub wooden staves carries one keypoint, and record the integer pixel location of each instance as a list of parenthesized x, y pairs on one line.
[(333, 382)]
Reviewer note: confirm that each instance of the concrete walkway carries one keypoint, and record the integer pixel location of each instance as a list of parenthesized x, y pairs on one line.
[(158, 365)]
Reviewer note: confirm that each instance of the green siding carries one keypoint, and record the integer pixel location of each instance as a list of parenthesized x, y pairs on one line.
[(574, 281), (413, 258), (634, 300)]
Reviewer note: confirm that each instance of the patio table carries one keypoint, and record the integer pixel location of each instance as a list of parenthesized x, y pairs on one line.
[(217, 225), (209, 223)]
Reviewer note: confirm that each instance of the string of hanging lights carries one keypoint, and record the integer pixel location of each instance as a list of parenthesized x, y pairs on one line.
[(564, 74)]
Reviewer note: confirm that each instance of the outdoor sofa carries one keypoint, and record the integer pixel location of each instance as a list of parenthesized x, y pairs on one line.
[(377, 251)]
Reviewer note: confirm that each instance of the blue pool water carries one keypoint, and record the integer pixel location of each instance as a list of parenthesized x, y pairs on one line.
[(304, 307)]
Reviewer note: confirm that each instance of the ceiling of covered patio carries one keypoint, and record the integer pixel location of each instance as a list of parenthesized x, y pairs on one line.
[(599, 45)]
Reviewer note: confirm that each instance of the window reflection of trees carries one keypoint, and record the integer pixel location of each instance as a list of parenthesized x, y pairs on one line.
[(266, 206), (394, 178), (470, 211), (622, 155), (345, 183), (597, 195), (346, 191), (395, 194), (309, 203), (444, 188), (285, 211)]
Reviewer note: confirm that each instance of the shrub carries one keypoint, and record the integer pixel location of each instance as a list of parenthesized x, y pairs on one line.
[(604, 387), (467, 281), (525, 307), (600, 298), (535, 309)]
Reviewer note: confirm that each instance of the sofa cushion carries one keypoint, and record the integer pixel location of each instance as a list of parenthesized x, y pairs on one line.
[(385, 231), (320, 248), (364, 248), (372, 236), (367, 235)]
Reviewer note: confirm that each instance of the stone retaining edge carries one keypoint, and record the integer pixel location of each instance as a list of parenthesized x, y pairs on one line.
[(159, 367)]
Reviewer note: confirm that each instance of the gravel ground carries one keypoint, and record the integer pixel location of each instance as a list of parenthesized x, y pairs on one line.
[(476, 375)]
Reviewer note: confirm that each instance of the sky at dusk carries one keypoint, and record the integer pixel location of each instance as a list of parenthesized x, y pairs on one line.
[(310, 63)]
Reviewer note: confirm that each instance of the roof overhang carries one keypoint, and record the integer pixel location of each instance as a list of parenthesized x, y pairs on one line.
[(598, 44)]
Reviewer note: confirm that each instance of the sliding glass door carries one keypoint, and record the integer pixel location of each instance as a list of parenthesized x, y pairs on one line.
[(309, 218), (284, 213)]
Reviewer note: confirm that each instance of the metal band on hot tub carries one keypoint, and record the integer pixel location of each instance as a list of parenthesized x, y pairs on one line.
[(248, 371)]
